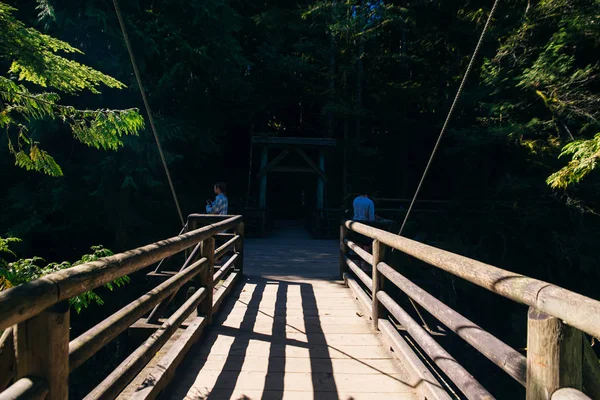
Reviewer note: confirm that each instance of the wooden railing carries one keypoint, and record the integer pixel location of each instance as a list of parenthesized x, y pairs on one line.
[(560, 362), (35, 315)]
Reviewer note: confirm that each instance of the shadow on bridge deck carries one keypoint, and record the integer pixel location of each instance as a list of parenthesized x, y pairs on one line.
[(290, 330)]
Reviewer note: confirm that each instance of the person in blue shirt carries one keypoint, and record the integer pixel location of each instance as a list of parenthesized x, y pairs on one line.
[(364, 208), (220, 205)]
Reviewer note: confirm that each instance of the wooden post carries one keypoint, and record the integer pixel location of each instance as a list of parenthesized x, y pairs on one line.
[(42, 349), (239, 248), (321, 182), (262, 199), (206, 279), (554, 355), (378, 311), (343, 251)]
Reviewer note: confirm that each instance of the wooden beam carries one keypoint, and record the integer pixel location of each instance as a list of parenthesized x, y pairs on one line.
[(554, 355), (113, 384), (365, 255), (303, 170), (19, 303), (42, 349), (360, 274), (576, 310), (343, 250), (89, 342), (465, 382), (239, 248), (378, 311), (591, 371), (7, 358), (206, 280), (569, 394), (423, 380), (164, 371), (294, 141), (311, 163), (274, 162), (29, 388), (505, 357)]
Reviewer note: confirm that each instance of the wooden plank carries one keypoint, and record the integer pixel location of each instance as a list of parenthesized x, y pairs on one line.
[(273, 163), (241, 309), (360, 274), (554, 355), (574, 309), (89, 342), (29, 388), (569, 394), (226, 345), (292, 169), (112, 385), (505, 357), (222, 271), (163, 373), (294, 381), (7, 358), (266, 327), (311, 163), (239, 247), (198, 392), (423, 380), (268, 363), (42, 349), (461, 378), (365, 255), (298, 338), (24, 301), (298, 321), (299, 141), (225, 247), (591, 371), (360, 295), (377, 310), (224, 290)]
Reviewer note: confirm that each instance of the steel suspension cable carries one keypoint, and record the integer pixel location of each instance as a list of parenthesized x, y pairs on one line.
[(147, 106), (449, 116)]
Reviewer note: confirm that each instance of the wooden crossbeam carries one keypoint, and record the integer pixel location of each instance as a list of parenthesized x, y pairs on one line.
[(311, 163), (274, 162)]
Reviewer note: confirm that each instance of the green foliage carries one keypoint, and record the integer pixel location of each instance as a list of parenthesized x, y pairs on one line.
[(584, 156), (36, 58), (26, 270), (545, 84)]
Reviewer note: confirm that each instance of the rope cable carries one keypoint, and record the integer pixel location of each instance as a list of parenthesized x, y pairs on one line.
[(147, 106), (449, 116)]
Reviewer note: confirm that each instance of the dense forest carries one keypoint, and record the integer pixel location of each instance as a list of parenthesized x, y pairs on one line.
[(79, 166)]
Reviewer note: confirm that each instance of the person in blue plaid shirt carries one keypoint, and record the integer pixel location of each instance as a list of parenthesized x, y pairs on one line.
[(219, 206)]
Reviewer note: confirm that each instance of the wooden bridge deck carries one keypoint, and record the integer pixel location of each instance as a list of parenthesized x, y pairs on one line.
[(291, 330)]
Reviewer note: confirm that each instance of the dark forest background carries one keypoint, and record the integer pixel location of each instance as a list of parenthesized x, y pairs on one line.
[(377, 76)]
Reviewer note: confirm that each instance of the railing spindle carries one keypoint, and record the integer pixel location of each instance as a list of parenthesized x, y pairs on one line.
[(239, 248), (554, 355), (343, 251), (206, 279), (42, 349), (378, 311)]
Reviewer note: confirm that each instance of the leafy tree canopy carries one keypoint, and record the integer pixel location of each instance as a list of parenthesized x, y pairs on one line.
[(37, 66)]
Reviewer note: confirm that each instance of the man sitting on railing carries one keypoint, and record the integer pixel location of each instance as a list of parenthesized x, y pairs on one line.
[(220, 205)]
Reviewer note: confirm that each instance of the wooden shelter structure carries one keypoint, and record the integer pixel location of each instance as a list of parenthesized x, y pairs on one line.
[(283, 147)]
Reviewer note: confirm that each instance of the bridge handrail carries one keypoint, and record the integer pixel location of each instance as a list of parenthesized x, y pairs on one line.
[(576, 310), (22, 302), (43, 357), (549, 305)]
